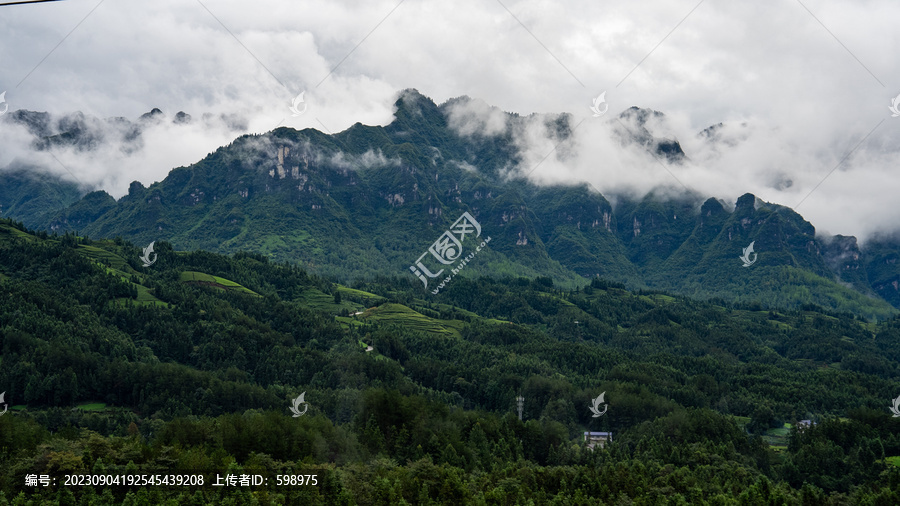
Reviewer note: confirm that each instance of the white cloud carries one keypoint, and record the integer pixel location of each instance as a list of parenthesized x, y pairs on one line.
[(369, 159), (805, 100), (476, 117)]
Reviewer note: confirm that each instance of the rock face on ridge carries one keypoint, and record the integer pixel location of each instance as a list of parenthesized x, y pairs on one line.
[(369, 200)]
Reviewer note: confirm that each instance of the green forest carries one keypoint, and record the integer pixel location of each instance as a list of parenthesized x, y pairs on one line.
[(190, 365)]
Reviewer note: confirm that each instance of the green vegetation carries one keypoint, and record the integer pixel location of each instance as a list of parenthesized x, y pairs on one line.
[(106, 257), (694, 389), (311, 199), (404, 317), (96, 406), (316, 299), (778, 437), (200, 278)]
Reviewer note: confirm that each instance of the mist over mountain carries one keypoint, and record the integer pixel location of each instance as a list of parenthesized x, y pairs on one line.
[(369, 200), (458, 253), (86, 152)]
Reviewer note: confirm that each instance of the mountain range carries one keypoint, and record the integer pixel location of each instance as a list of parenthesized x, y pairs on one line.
[(370, 200)]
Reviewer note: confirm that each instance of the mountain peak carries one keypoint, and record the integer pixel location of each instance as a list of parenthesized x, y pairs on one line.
[(180, 118), (410, 99), (640, 125), (155, 114), (712, 207), (746, 201), (641, 115), (135, 189)]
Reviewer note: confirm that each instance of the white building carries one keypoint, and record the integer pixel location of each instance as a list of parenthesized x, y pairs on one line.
[(597, 439)]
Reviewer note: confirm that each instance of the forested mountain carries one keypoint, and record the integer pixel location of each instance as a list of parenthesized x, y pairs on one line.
[(32, 195), (368, 201), (192, 362)]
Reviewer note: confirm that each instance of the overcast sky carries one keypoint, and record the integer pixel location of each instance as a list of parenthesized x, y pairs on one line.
[(799, 85)]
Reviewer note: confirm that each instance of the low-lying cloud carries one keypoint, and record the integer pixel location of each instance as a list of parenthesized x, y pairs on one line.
[(724, 161), (795, 97), (116, 151)]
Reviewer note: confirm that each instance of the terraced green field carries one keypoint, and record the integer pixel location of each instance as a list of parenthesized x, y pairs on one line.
[(778, 438), (18, 234), (118, 266), (106, 257), (215, 282), (658, 298), (96, 406), (368, 299), (321, 301), (144, 297), (401, 315)]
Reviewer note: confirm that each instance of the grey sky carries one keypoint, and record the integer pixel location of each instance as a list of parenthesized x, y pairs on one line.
[(807, 94)]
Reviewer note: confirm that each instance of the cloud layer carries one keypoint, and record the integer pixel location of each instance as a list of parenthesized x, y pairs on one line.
[(797, 86)]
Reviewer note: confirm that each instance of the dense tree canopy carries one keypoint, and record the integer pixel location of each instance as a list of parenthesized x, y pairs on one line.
[(191, 364)]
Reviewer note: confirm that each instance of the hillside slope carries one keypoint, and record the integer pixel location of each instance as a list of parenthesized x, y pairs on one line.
[(370, 200), (203, 378)]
